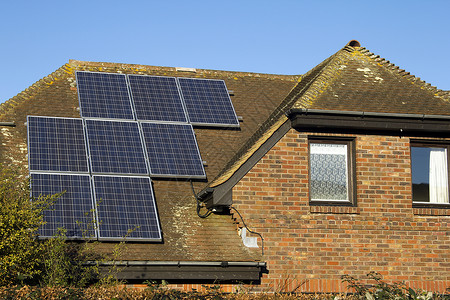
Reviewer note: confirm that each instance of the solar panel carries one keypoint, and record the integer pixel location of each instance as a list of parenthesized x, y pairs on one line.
[(56, 144), (126, 208), (207, 102), (172, 150), (72, 211), (103, 95), (156, 98), (115, 147)]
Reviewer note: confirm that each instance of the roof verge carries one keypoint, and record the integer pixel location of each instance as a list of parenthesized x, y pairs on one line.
[(28, 94)]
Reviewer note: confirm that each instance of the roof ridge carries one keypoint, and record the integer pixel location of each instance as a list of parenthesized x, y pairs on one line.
[(444, 95), (332, 70), (32, 90), (139, 68), (69, 68)]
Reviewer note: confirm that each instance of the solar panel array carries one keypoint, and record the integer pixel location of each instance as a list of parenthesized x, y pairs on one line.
[(58, 163), (201, 102), (133, 128)]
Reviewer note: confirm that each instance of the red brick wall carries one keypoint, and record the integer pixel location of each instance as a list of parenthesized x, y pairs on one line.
[(315, 245)]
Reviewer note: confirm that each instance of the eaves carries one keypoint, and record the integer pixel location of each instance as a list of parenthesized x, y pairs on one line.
[(326, 121)]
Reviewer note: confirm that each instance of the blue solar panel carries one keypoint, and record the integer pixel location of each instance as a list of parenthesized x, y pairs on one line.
[(104, 95), (156, 98), (115, 147), (208, 102), (126, 208), (172, 150), (72, 211), (56, 144)]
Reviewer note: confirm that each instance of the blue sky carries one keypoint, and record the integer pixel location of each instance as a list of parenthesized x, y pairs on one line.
[(279, 37)]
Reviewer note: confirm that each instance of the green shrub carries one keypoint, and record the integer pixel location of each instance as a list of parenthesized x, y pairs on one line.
[(20, 218), (384, 290), (63, 262), (23, 258)]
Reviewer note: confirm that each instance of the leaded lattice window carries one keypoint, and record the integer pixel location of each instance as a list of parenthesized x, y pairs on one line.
[(330, 172)]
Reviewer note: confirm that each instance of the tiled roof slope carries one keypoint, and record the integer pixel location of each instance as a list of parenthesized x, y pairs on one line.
[(186, 237), (358, 80), (353, 79)]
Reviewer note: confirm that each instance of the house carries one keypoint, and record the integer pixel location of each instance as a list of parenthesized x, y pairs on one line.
[(342, 170)]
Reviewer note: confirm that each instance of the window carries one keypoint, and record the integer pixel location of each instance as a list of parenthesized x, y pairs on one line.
[(331, 169), (429, 173)]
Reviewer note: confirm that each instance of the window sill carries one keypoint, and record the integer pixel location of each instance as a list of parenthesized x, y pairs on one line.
[(431, 205), (431, 209), (324, 208)]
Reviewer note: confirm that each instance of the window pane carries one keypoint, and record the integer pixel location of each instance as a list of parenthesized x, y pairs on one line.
[(329, 172), (420, 166), (429, 174)]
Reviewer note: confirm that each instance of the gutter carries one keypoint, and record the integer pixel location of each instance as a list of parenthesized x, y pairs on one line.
[(359, 122), (184, 270), (364, 114), (222, 264), (333, 121)]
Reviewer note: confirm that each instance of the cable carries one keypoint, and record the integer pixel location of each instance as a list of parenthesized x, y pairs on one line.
[(199, 206), (209, 212), (254, 232)]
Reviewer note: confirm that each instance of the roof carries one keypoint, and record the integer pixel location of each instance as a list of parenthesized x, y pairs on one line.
[(353, 79), (186, 237)]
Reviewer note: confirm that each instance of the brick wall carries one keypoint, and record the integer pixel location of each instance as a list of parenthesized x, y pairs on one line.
[(312, 246)]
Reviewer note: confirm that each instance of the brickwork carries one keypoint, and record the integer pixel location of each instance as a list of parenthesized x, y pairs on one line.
[(312, 246), (226, 288)]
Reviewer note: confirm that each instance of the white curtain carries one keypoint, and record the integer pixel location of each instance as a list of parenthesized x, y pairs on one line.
[(438, 176)]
